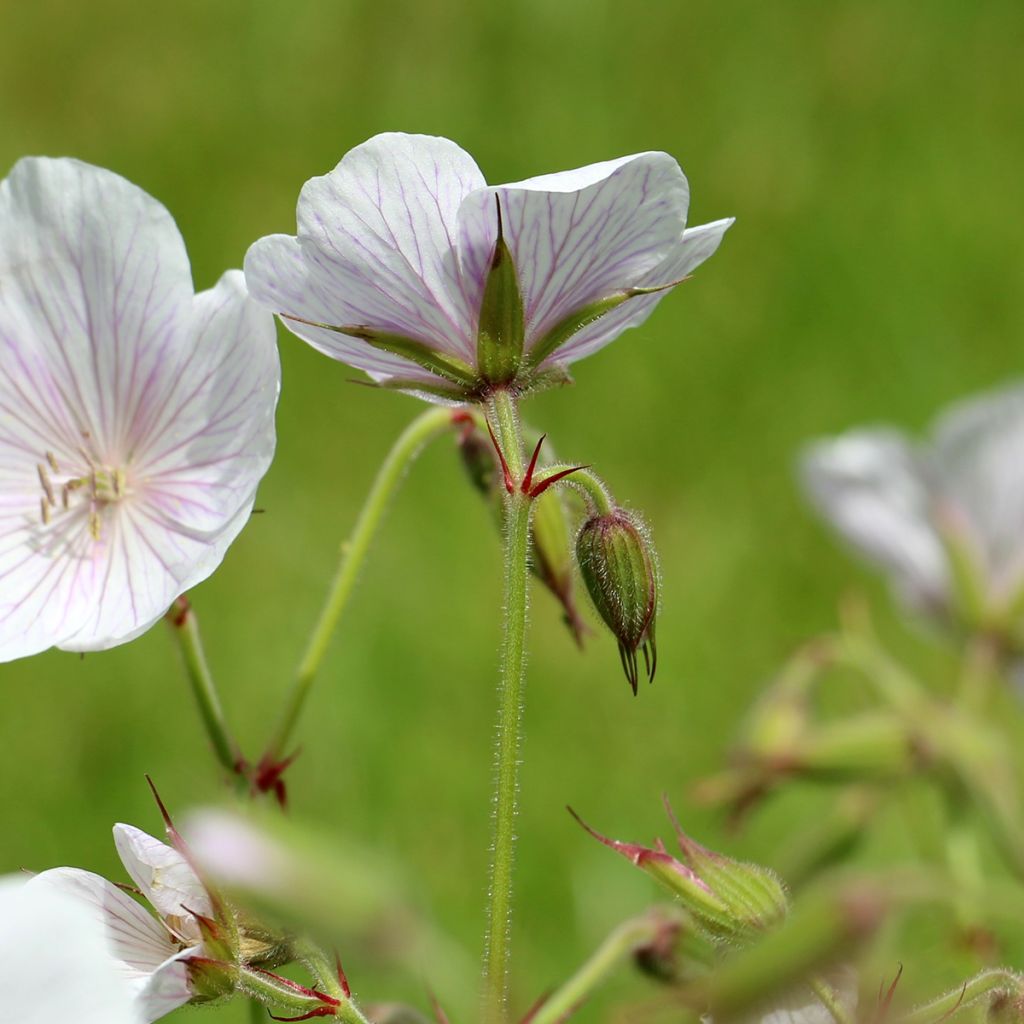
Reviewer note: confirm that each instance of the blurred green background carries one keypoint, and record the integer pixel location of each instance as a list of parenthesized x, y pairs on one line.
[(871, 151)]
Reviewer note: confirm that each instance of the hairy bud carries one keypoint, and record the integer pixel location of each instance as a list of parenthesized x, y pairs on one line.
[(619, 567)]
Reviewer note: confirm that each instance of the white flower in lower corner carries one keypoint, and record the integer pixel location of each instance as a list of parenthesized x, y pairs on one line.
[(136, 417), (54, 963), (942, 518), (150, 955)]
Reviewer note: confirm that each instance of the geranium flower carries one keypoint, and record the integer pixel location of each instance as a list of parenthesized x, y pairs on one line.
[(53, 960), (151, 953), (930, 513), (408, 266), (136, 417)]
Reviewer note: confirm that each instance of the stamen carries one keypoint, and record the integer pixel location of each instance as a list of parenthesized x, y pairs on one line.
[(44, 511), (44, 479), (94, 524), (53, 462)]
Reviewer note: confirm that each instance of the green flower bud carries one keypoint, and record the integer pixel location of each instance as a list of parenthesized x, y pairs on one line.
[(619, 567)]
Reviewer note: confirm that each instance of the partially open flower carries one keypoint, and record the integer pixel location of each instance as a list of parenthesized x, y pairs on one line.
[(942, 518), (136, 417), (408, 266)]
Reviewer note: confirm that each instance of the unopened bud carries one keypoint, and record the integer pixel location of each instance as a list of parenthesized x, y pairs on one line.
[(619, 567)]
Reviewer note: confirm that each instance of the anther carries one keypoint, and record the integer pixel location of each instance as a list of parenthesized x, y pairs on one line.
[(44, 479), (94, 524), (44, 511), (53, 462)]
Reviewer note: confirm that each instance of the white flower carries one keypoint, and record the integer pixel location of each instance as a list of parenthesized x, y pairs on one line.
[(54, 962), (408, 266), (148, 953), (911, 508), (136, 417)]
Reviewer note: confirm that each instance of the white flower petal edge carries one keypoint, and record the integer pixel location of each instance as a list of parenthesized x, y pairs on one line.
[(136, 418), (872, 487), (55, 963)]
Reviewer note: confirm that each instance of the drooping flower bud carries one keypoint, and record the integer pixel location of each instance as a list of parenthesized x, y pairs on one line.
[(550, 542), (619, 567)]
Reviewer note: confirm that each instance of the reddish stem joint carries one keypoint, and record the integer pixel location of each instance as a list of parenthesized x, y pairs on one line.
[(528, 486)]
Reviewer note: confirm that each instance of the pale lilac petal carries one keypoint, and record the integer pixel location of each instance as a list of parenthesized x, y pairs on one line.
[(577, 236), (979, 454), (694, 247), (56, 964), (164, 875), (873, 488), (279, 275), (166, 988), (135, 939), (377, 243), (95, 280)]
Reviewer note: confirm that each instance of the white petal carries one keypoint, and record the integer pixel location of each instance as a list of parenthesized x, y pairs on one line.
[(134, 938), (279, 274), (167, 987), (577, 236), (55, 962), (871, 486), (376, 247), (979, 452), (94, 281), (695, 246), (164, 876)]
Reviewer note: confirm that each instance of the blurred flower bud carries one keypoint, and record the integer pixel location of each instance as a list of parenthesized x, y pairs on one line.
[(619, 567), (550, 547), (727, 898)]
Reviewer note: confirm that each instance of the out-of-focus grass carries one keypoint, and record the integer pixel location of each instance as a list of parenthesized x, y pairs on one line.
[(871, 152)]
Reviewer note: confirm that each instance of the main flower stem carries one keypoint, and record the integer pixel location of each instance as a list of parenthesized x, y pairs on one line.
[(503, 415), (183, 622), (353, 552)]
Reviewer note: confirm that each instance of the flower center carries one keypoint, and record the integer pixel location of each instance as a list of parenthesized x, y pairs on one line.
[(93, 486)]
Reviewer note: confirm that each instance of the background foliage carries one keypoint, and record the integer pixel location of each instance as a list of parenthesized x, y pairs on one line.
[(871, 152)]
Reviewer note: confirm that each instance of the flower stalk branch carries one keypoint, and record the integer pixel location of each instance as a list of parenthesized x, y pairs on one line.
[(406, 448), (185, 626)]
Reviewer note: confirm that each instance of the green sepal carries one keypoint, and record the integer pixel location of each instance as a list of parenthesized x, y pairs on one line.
[(410, 386), (439, 363), (584, 317), (499, 344)]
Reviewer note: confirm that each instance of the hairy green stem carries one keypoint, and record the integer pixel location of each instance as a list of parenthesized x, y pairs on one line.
[(503, 416), (993, 983), (594, 489), (825, 993), (621, 944), (185, 626), (353, 552)]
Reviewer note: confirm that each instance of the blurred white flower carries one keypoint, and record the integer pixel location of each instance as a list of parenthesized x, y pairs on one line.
[(926, 512), (408, 266), (148, 954), (55, 963), (136, 417)]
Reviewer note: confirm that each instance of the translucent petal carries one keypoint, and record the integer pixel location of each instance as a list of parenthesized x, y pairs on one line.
[(164, 875), (56, 961), (375, 247), (978, 454), (694, 247), (166, 988), (874, 489), (579, 235)]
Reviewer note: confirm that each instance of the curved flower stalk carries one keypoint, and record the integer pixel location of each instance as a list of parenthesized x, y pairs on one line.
[(408, 266), (941, 518), (136, 417), (54, 964)]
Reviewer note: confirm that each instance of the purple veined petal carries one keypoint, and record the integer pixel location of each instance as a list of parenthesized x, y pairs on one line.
[(56, 962), (577, 236), (135, 940), (97, 273), (694, 247), (873, 488), (205, 436), (377, 243), (167, 987), (164, 876), (281, 276), (978, 446)]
